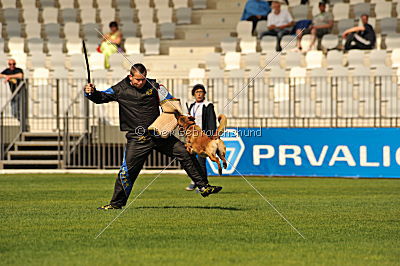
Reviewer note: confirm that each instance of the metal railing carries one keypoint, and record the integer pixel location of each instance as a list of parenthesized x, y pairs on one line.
[(90, 136)]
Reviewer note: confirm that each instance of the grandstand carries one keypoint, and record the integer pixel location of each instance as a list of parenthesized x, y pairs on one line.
[(182, 43)]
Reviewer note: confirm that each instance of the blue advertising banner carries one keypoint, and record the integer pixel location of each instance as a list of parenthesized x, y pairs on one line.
[(325, 152)]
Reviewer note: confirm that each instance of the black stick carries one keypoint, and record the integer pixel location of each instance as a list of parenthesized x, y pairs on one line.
[(87, 61)]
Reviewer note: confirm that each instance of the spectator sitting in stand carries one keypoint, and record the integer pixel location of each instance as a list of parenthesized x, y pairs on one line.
[(360, 37), (110, 43), (256, 10), (279, 23), (321, 24)]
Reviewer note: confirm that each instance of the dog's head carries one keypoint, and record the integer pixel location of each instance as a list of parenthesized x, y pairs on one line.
[(184, 121)]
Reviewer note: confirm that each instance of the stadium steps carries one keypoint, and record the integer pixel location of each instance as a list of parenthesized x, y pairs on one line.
[(37, 150)]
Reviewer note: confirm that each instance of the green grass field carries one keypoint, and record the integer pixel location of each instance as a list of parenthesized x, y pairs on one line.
[(52, 220)]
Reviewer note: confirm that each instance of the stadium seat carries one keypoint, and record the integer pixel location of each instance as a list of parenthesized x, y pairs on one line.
[(199, 4), (334, 58), (55, 46), (142, 4), (148, 30), (16, 45), (232, 60), (145, 15), (353, 2), (35, 45), (164, 15), (57, 60), (66, 4), (248, 45), (392, 41), (341, 11), (8, 4), (252, 61), (344, 24), (151, 46), (126, 15), (107, 15), (88, 16), (47, 3), (75, 61), (243, 29), (1, 46), (50, 15), (212, 61), (314, 59), (292, 59), (33, 30), (355, 58), (196, 75), (261, 27), (90, 33), (383, 10), (268, 43), (52, 30), (71, 30), (361, 8), (38, 60), (288, 42), (96, 61), (183, 15), (86, 5), (104, 4), (229, 44), (30, 16), (167, 31), (180, 3), (377, 58), (395, 57), (69, 15), (13, 29), (388, 25), (132, 45), (74, 46), (10, 15), (300, 12), (129, 29), (161, 3), (133, 59), (116, 61)]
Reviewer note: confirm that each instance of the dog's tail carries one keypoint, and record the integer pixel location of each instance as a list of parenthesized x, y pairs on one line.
[(222, 125)]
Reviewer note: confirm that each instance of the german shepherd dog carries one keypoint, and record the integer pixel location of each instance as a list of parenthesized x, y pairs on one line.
[(198, 142)]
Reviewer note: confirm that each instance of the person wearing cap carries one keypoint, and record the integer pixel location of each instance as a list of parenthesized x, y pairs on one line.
[(322, 24), (254, 11), (360, 37), (279, 23), (205, 118)]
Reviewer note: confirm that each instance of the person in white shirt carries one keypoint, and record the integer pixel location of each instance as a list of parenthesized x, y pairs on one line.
[(279, 23), (205, 118)]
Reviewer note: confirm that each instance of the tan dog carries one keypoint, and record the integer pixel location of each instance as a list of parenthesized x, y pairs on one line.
[(197, 141)]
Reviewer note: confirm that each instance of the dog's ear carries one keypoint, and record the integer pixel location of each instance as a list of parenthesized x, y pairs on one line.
[(191, 118)]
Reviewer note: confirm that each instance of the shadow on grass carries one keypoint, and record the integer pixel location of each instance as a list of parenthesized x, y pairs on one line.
[(191, 207)]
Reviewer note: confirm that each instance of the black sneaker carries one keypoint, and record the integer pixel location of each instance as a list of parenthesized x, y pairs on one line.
[(109, 207), (207, 190)]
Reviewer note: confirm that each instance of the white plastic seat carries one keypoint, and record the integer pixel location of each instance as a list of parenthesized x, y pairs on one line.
[(126, 15), (392, 41), (8, 4), (13, 29), (148, 30), (300, 12), (314, 59), (86, 4), (71, 30), (229, 44), (31, 16), (96, 61), (35, 45), (69, 15), (355, 57), (252, 61), (212, 60), (268, 43), (288, 42), (292, 59), (161, 3), (334, 58), (38, 60), (180, 3), (377, 58), (248, 45), (232, 60), (116, 61), (47, 3), (388, 25), (140, 4), (132, 45), (74, 46), (129, 29), (395, 57), (55, 46), (50, 15), (52, 30), (104, 4), (345, 24), (145, 15), (243, 29), (32, 30), (16, 45), (107, 15), (11, 14), (361, 8), (88, 16), (199, 4), (164, 15), (196, 75), (66, 4)]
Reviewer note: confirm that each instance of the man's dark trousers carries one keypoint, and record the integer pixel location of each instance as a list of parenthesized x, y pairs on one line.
[(136, 152)]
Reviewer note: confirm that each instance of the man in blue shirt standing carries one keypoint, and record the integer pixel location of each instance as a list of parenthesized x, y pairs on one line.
[(256, 10)]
